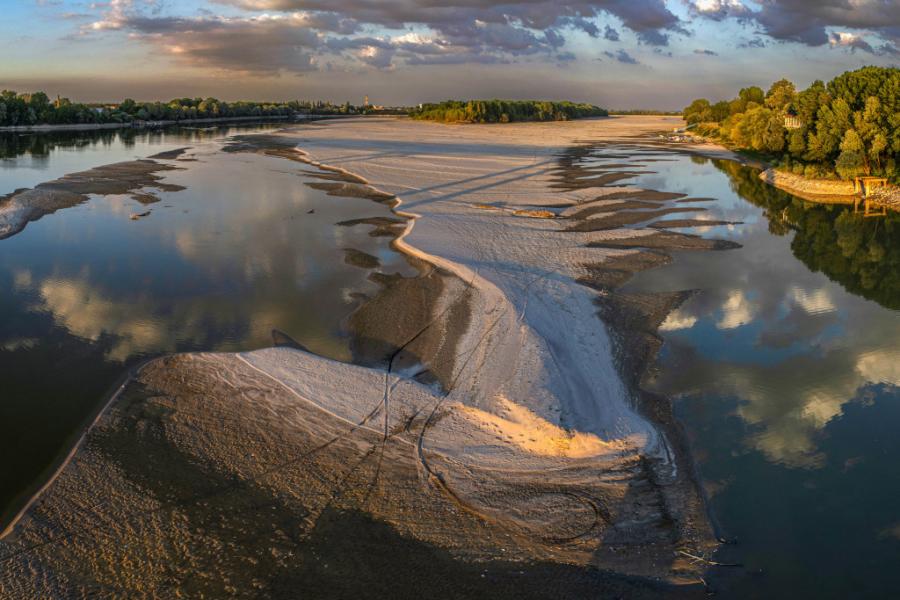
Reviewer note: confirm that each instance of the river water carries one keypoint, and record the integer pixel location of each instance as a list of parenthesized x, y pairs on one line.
[(86, 292), (784, 367), (784, 364)]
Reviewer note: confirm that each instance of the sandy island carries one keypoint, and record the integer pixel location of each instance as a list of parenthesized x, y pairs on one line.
[(493, 439)]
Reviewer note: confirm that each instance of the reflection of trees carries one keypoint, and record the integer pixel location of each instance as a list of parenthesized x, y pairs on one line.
[(862, 254), (42, 144)]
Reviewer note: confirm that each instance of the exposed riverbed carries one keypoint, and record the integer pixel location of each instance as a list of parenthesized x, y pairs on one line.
[(502, 423)]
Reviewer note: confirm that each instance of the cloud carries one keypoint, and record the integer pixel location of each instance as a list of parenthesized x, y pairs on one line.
[(851, 41), (304, 35), (265, 44), (678, 320), (737, 311), (813, 22), (611, 34), (622, 57), (719, 9), (754, 43), (649, 19), (705, 52)]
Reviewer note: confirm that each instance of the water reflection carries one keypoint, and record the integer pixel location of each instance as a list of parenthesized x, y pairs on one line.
[(27, 159), (781, 363), (861, 253), (245, 248)]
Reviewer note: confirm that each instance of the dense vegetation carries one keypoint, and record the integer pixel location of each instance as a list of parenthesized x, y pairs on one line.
[(38, 109), (646, 111), (849, 127), (860, 253), (505, 111)]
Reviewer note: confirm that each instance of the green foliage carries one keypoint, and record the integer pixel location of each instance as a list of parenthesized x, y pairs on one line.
[(505, 111), (699, 111), (780, 95), (851, 161), (645, 111), (849, 127), (37, 108)]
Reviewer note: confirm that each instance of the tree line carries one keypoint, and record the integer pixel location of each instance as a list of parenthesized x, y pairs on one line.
[(505, 111), (845, 128), (38, 109), (645, 112)]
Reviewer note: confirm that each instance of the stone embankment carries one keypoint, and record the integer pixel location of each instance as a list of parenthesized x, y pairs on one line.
[(803, 186), (886, 196)]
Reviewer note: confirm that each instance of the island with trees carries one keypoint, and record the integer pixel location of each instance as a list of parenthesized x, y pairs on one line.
[(505, 111), (846, 128)]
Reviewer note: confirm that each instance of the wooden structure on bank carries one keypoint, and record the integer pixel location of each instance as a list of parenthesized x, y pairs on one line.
[(874, 204), (792, 122)]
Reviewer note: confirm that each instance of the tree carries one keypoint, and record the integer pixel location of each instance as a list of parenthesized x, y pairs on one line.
[(780, 95), (699, 111), (852, 159), (833, 120), (719, 111)]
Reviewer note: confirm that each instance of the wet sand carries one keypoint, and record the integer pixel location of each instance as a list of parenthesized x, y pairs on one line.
[(495, 434), (135, 177)]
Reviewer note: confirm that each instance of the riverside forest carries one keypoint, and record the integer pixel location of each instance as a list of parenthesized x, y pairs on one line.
[(27, 109), (843, 129), (505, 111)]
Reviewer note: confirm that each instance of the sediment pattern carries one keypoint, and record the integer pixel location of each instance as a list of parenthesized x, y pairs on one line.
[(499, 426)]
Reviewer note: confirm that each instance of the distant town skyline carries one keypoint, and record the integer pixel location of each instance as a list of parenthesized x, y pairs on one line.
[(616, 53)]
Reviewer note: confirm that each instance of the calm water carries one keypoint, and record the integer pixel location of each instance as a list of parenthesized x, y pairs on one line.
[(86, 292), (785, 369)]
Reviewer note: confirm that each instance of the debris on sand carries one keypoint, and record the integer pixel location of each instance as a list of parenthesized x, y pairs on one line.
[(534, 214)]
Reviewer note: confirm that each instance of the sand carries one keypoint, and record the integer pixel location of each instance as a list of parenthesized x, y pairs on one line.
[(493, 425), (134, 177)]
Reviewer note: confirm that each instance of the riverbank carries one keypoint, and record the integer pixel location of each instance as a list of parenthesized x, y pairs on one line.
[(823, 191), (508, 430), (47, 128)]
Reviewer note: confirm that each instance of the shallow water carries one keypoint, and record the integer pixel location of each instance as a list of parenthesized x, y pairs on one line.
[(784, 367), (27, 159), (86, 292)]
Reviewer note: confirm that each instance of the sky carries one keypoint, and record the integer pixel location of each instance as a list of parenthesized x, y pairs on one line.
[(615, 53)]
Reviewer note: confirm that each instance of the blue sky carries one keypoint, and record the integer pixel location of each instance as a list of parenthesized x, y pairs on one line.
[(617, 53)]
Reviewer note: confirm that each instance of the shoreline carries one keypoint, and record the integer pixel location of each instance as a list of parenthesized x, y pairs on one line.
[(52, 128), (819, 191), (24, 206), (438, 474)]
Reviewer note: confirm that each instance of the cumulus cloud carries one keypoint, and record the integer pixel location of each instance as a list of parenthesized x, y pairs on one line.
[(814, 22), (649, 19), (264, 44), (296, 36), (300, 35), (851, 41), (719, 9)]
